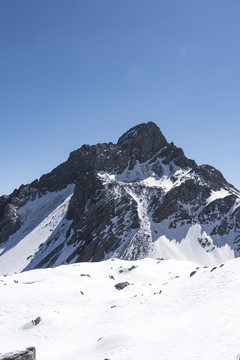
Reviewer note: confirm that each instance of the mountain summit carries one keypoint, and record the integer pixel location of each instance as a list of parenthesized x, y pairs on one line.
[(141, 197)]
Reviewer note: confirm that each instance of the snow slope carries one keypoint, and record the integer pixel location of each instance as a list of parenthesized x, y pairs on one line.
[(158, 240), (41, 219), (171, 310)]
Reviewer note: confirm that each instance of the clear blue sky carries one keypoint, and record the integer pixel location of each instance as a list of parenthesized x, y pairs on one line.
[(85, 71)]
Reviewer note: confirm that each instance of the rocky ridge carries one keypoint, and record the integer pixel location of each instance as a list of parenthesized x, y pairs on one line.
[(127, 199)]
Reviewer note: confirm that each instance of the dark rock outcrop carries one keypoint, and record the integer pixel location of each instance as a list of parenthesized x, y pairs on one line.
[(121, 285), (28, 354), (36, 321)]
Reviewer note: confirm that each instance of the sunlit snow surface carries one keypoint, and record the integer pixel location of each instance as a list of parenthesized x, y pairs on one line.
[(190, 249), (163, 314), (220, 194)]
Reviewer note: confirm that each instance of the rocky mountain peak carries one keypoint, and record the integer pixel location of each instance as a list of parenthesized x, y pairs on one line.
[(140, 197), (141, 143), (145, 131)]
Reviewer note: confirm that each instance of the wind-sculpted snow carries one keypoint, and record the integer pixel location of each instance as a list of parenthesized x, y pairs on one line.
[(168, 310)]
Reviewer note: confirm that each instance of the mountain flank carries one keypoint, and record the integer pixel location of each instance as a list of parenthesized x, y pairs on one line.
[(141, 197)]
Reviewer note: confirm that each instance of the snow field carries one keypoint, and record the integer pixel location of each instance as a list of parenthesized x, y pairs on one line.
[(163, 314)]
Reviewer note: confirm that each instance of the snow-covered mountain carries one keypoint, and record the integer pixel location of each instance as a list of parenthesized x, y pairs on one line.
[(135, 199), (170, 310)]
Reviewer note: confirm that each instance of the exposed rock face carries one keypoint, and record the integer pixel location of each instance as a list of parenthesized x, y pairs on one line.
[(28, 354), (36, 321), (126, 197), (9, 220)]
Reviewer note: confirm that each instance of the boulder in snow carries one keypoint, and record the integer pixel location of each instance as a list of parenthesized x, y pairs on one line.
[(121, 285), (28, 354)]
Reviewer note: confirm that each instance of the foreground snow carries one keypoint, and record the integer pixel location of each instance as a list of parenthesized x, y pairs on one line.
[(163, 314)]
